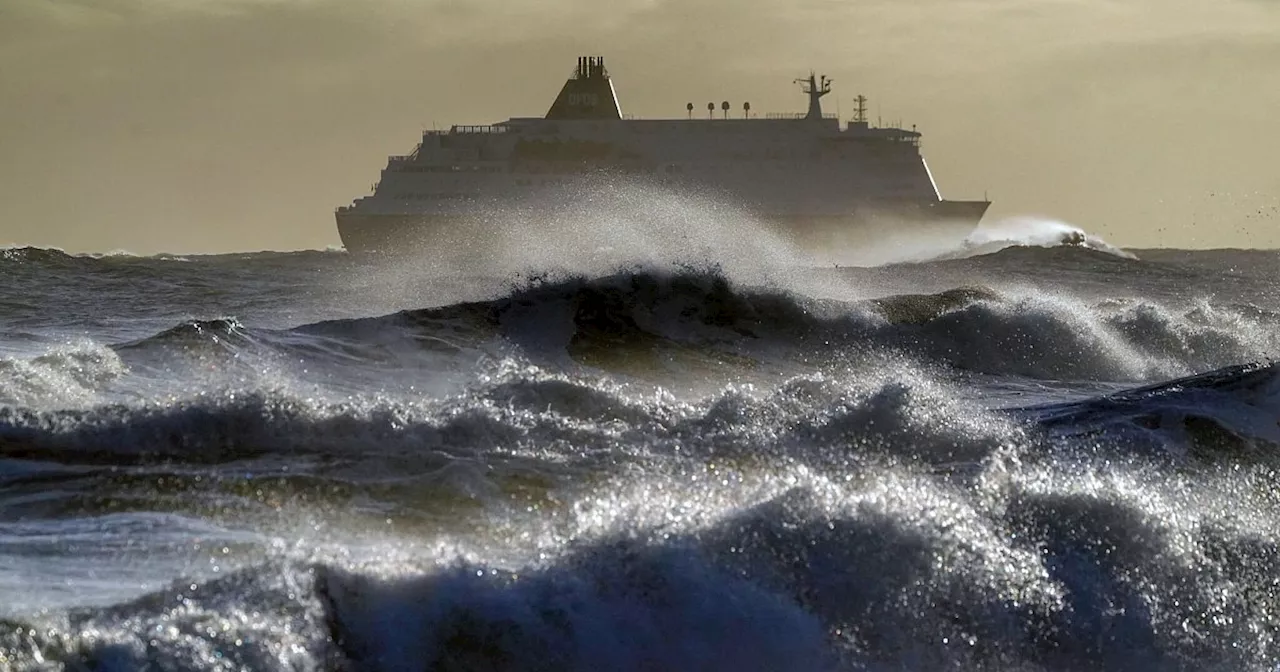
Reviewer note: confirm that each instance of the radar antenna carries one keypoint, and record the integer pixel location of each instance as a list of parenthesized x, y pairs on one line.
[(860, 113), (816, 88)]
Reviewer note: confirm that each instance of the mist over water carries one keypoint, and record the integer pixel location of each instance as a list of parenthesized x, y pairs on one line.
[(694, 451), (588, 230)]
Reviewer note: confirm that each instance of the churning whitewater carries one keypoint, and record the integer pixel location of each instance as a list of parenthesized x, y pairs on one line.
[(1037, 452)]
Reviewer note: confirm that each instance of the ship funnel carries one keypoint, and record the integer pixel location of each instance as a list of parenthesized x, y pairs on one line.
[(588, 94)]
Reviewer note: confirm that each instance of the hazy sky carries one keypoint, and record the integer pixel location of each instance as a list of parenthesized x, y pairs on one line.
[(218, 125)]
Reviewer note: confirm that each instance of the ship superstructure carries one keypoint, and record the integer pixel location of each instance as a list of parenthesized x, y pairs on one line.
[(821, 184)]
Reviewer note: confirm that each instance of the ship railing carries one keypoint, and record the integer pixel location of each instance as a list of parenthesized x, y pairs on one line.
[(486, 130), (795, 115)]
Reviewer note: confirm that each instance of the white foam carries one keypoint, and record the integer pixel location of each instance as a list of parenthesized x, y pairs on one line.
[(1029, 231), (71, 375)]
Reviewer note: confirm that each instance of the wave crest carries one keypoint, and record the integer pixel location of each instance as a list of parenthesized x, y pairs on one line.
[(681, 322), (1031, 232)]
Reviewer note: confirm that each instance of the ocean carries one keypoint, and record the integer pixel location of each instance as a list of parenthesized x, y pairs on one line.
[(1030, 452)]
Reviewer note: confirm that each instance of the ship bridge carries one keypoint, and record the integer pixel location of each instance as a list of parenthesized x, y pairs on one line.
[(589, 95)]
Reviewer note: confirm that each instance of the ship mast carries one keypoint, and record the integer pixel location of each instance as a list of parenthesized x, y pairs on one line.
[(860, 113), (816, 88)]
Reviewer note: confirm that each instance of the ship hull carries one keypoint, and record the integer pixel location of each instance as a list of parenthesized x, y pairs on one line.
[(826, 238)]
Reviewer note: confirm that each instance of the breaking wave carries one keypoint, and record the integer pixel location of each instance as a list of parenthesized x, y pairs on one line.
[(654, 319), (1030, 232), (658, 468), (520, 409), (66, 376), (733, 557)]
